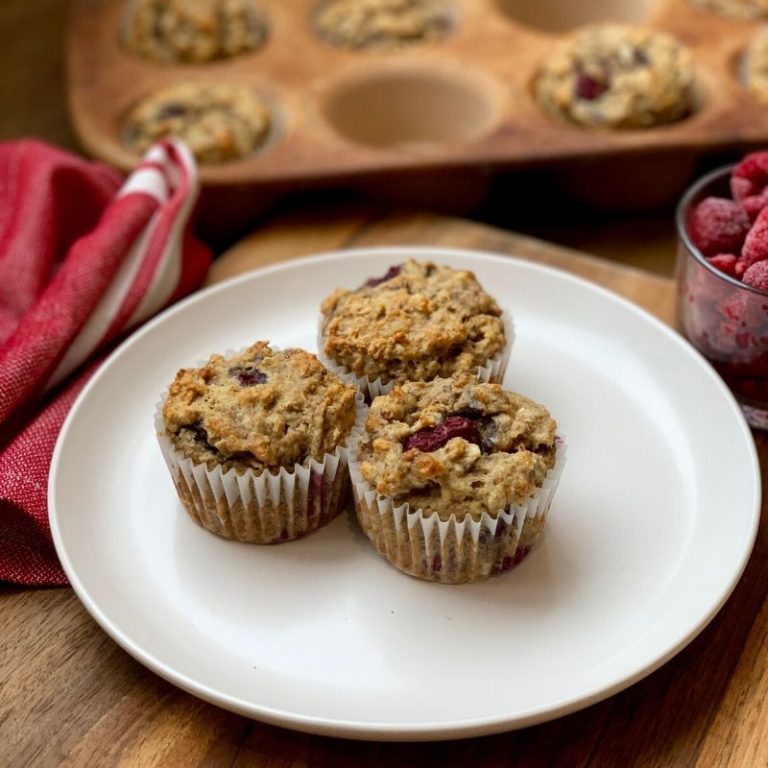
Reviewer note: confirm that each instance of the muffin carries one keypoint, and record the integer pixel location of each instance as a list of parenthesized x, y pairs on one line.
[(755, 67), (453, 478), (192, 31), (256, 442), (219, 122), (361, 24), (616, 76), (735, 9), (418, 321)]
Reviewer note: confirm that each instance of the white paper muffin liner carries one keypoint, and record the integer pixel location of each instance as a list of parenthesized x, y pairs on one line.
[(452, 551), (266, 507), (493, 371)]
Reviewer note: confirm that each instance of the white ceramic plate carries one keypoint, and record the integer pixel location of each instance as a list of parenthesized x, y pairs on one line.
[(650, 529)]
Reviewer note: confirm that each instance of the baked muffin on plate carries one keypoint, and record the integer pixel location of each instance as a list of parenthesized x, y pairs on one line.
[(418, 321), (617, 76), (256, 442), (453, 478)]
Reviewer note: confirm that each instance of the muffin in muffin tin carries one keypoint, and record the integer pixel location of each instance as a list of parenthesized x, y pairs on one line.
[(453, 478), (255, 442), (218, 121), (367, 24), (417, 321), (617, 76), (192, 31)]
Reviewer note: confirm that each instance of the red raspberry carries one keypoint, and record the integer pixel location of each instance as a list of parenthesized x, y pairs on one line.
[(754, 204), (725, 262), (750, 176), (757, 276), (756, 244), (717, 225)]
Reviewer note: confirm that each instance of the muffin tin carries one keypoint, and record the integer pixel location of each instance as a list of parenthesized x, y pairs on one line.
[(464, 102)]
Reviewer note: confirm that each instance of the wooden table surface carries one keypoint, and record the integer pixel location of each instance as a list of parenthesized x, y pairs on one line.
[(70, 696)]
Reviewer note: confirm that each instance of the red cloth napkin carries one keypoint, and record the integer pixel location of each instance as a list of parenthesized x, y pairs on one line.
[(85, 255)]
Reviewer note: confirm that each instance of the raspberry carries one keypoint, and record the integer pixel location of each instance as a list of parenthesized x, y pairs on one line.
[(756, 244), (757, 275), (750, 176), (717, 225), (432, 438), (754, 204), (589, 89), (390, 273), (725, 262), (247, 376)]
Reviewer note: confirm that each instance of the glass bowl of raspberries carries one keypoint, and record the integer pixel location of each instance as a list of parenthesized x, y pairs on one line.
[(722, 277)]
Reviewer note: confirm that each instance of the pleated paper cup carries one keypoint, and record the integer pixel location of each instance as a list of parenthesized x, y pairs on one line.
[(267, 507), (492, 372), (453, 551)]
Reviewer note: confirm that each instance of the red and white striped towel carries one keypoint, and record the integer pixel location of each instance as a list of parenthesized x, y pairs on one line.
[(85, 256)]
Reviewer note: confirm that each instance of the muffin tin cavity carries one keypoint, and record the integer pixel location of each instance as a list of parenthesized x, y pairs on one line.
[(562, 15), (382, 24), (191, 31), (416, 107)]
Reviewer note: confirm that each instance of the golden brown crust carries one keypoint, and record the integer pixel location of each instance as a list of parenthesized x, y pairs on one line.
[(517, 447), (261, 409), (428, 320)]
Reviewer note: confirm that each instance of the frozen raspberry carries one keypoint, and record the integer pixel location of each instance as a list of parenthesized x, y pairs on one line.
[(754, 204), (750, 176), (757, 275), (717, 225), (725, 262), (740, 268), (432, 438), (756, 244)]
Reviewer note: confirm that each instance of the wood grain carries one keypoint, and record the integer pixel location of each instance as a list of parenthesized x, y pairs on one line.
[(70, 696)]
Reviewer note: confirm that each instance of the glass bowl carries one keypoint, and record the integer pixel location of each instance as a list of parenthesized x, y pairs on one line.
[(726, 320)]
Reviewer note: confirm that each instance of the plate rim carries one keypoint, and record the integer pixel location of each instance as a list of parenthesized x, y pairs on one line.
[(362, 730)]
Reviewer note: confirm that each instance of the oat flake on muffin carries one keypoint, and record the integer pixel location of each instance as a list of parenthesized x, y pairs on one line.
[(617, 76), (418, 321), (382, 23), (219, 122), (192, 31)]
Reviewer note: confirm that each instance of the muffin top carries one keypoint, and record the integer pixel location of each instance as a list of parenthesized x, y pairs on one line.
[(456, 446), (617, 76), (261, 409), (382, 23), (418, 321), (218, 121), (192, 31)]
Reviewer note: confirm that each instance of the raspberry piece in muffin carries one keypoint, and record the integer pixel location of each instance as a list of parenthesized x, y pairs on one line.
[(417, 321), (461, 452)]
